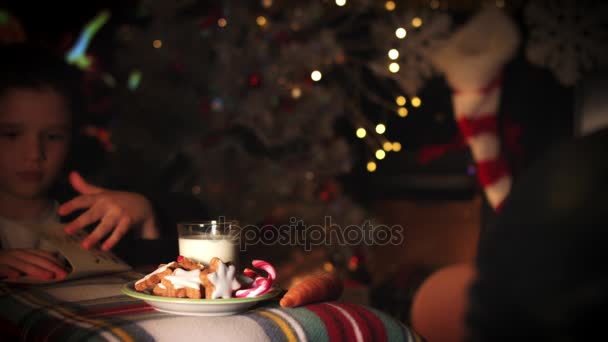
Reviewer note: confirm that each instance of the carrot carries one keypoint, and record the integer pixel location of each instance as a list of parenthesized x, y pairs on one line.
[(316, 288)]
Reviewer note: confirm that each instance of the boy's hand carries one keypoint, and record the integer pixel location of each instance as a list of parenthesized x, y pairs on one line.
[(35, 263), (116, 211)]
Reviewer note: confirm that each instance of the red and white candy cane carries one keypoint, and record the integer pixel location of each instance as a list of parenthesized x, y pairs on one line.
[(260, 285), (267, 267), (248, 272)]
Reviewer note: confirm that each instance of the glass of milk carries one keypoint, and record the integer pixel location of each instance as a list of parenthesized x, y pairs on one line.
[(203, 240)]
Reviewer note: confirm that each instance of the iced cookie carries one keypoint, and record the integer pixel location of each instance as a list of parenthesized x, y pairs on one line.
[(220, 280), (155, 277), (182, 284), (189, 264)]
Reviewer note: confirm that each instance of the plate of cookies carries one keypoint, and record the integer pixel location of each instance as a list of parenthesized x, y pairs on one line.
[(185, 287)]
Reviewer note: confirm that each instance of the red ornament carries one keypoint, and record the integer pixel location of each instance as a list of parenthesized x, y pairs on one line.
[(332, 187), (180, 258), (328, 191), (254, 80), (324, 196), (353, 263), (102, 135)]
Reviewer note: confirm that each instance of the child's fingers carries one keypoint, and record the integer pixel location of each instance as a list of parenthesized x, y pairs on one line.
[(108, 222), (25, 266), (117, 234), (88, 217), (79, 202), (47, 255), (37, 266), (81, 185)]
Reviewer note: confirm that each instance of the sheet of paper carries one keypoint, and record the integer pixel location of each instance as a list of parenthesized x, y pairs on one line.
[(84, 262)]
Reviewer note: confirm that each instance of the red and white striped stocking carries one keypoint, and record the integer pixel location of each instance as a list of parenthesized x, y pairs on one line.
[(475, 113), (472, 60)]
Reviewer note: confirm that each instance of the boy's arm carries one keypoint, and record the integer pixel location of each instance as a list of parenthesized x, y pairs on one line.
[(169, 208)]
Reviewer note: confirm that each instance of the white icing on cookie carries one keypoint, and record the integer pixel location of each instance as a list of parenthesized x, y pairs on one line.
[(182, 278), (158, 270), (224, 280)]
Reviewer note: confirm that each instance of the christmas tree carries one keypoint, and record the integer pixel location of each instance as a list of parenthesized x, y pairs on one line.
[(236, 105)]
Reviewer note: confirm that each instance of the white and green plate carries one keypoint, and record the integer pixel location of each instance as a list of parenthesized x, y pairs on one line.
[(198, 307)]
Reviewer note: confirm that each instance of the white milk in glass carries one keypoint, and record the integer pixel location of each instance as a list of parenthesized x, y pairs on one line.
[(203, 248)]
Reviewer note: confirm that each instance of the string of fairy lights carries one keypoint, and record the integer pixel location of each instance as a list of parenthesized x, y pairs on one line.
[(372, 134), (383, 145)]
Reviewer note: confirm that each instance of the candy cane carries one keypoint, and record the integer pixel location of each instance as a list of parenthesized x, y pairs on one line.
[(263, 265), (260, 285), (248, 272)]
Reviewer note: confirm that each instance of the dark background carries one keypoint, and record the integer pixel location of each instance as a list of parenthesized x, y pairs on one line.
[(532, 99)]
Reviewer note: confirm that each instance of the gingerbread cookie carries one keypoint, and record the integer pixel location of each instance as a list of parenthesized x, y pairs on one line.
[(220, 280), (182, 284), (155, 277), (189, 264)]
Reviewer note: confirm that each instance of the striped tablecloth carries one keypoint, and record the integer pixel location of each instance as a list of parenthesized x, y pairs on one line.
[(94, 309)]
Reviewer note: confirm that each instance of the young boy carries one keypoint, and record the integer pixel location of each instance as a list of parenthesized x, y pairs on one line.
[(39, 109)]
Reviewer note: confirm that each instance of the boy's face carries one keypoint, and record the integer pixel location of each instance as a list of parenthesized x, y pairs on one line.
[(34, 140)]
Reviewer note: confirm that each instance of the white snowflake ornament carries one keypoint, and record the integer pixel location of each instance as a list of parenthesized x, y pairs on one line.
[(568, 37)]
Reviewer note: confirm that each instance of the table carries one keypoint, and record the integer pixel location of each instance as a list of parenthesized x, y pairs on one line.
[(94, 309)]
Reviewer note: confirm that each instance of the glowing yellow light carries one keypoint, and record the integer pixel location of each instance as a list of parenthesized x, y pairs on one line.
[(400, 100), (296, 92), (390, 5), (416, 22), (340, 2), (261, 20), (316, 75), (396, 146), (400, 33), (402, 112), (266, 3), (361, 132), (435, 4), (380, 128), (416, 102), (157, 43), (328, 267), (387, 146), (371, 166), (380, 154), (393, 54), (222, 22), (393, 67)]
